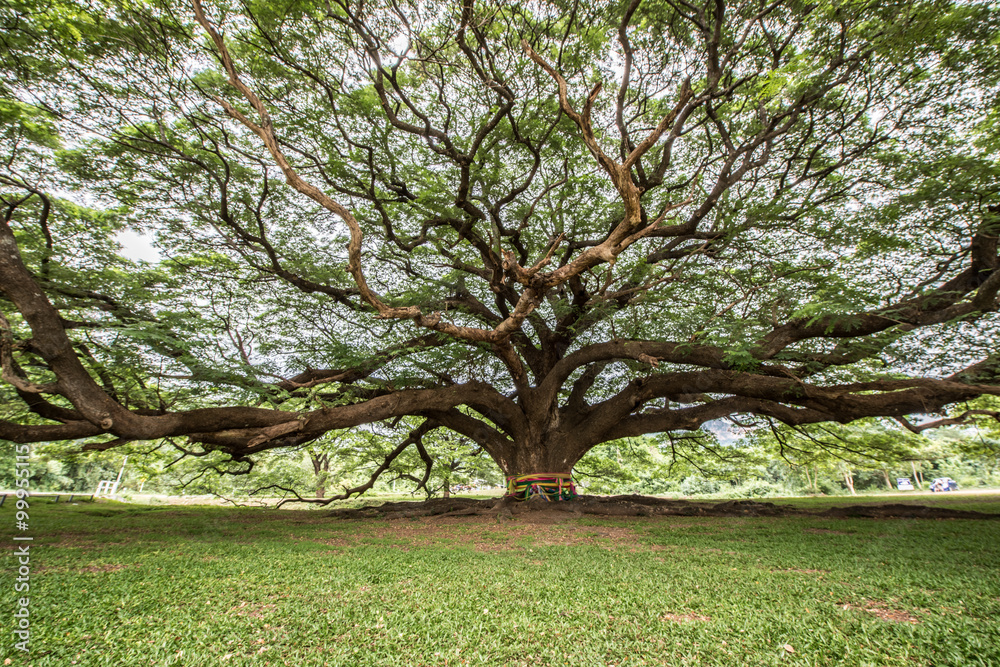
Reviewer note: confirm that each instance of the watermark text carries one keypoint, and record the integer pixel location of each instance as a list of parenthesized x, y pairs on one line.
[(22, 550)]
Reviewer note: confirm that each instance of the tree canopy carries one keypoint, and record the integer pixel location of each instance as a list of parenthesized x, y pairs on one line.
[(542, 226)]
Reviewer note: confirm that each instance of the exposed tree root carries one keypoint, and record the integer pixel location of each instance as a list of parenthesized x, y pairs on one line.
[(633, 505)]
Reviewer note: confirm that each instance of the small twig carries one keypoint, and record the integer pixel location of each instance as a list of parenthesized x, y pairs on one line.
[(236, 504), (951, 421)]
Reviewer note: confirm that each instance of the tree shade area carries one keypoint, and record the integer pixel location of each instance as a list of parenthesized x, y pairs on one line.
[(530, 227), (191, 586)]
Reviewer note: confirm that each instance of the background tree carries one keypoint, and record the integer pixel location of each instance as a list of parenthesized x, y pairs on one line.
[(541, 226), (868, 445)]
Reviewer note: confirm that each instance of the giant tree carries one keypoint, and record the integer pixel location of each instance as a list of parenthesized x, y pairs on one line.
[(540, 225)]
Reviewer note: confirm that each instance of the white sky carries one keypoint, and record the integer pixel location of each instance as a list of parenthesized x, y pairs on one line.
[(138, 247)]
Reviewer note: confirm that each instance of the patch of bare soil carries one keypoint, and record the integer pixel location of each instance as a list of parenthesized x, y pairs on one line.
[(539, 510), (884, 611), (486, 534), (684, 618), (335, 542), (825, 531), (801, 571), (93, 569), (73, 542), (245, 608)]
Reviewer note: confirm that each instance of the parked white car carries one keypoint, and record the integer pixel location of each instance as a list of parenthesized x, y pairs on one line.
[(904, 484)]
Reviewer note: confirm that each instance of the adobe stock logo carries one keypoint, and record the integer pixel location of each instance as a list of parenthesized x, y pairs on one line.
[(22, 584)]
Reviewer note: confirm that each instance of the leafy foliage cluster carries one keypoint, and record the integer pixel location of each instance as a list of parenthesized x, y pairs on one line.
[(539, 227)]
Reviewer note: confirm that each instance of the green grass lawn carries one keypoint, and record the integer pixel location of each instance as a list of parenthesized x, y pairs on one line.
[(976, 501), (136, 585)]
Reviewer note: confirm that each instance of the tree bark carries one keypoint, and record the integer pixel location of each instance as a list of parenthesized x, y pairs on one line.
[(321, 468), (553, 455), (916, 476)]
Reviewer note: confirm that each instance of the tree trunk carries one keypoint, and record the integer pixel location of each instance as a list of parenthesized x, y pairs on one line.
[(808, 480), (916, 476), (321, 468), (885, 473), (550, 454), (553, 454), (849, 479)]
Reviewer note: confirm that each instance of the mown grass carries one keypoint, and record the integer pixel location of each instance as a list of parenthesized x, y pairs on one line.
[(977, 501), (207, 586)]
